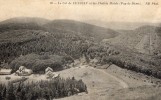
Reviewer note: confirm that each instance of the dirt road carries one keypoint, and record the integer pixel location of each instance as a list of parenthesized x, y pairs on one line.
[(122, 83), (99, 83)]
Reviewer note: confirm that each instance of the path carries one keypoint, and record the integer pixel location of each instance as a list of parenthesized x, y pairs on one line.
[(123, 84)]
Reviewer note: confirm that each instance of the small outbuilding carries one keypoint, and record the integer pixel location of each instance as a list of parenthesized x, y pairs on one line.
[(5, 71), (49, 73)]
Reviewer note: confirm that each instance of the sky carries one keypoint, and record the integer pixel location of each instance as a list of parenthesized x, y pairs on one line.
[(112, 13)]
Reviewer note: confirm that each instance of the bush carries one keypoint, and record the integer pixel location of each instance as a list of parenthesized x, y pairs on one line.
[(8, 78)]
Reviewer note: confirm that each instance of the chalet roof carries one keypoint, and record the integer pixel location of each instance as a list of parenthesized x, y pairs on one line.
[(48, 69), (21, 68)]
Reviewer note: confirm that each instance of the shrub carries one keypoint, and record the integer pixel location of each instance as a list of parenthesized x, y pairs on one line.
[(8, 78)]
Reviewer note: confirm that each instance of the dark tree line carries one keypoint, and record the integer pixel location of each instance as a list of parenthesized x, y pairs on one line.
[(48, 90)]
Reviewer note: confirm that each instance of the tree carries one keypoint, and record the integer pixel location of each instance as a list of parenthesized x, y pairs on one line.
[(4, 93), (10, 93)]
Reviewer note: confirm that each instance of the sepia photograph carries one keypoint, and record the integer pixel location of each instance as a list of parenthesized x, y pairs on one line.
[(80, 50)]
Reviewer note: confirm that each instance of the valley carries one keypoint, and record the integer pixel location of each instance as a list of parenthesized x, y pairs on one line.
[(90, 62)]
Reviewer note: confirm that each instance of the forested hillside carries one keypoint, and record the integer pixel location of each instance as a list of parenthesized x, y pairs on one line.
[(145, 39), (22, 39), (126, 58)]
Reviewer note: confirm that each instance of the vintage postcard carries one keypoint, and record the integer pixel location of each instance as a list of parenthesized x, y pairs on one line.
[(80, 50)]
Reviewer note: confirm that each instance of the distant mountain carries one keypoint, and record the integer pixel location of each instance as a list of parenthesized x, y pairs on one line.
[(19, 26), (26, 20), (22, 23), (120, 25), (145, 39), (63, 26), (84, 29)]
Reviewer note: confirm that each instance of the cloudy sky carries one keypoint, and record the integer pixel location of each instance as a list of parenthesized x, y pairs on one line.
[(43, 8)]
